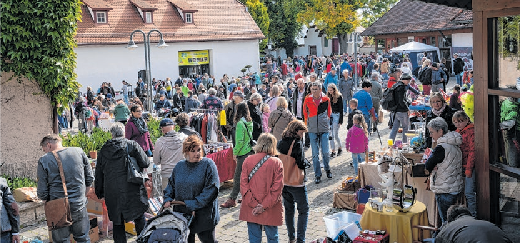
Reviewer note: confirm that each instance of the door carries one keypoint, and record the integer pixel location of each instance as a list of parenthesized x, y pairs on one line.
[(335, 45), (312, 50)]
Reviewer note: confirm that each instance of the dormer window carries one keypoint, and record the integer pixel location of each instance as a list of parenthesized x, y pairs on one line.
[(189, 18), (101, 17), (149, 18), (185, 10)]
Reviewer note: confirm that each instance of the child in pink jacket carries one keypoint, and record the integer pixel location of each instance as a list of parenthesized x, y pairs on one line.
[(266, 111), (357, 141)]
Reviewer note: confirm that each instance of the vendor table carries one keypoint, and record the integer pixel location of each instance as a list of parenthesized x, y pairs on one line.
[(397, 224), (368, 175)]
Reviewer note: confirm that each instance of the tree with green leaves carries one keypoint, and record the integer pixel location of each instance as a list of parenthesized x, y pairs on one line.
[(375, 9), (284, 27), (258, 11), (38, 44)]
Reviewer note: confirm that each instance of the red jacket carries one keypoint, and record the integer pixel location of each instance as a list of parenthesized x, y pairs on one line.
[(298, 76), (264, 188), (391, 82), (468, 148), (284, 69), (317, 118)]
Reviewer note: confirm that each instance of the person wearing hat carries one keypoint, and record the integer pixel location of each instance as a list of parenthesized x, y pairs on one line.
[(399, 116), (168, 149)]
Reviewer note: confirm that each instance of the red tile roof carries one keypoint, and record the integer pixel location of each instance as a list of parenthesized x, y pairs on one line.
[(143, 5), (182, 4), (215, 20), (409, 16), (96, 4)]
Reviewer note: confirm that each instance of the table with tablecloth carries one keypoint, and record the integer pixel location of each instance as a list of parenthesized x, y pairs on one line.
[(397, 224), (225, 163), (368, 175)]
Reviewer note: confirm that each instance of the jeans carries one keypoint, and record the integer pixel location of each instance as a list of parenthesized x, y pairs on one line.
[(367, 121), (298, 195), (345, 105), (236, 177), (255, 233), (471, 195), (6, 237), (436, 87), (356, 159), (119, 230), (318, 139), (399, 119), (207, 236), (459, 79), (444, 201), (335, 132), (125, 98), (79, 228)]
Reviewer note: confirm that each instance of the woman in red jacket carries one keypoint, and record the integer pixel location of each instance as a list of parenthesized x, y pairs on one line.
[(261, 184), (467, 131)]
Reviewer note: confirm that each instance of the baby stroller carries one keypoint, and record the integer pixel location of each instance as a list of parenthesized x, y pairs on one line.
[(170, 225)]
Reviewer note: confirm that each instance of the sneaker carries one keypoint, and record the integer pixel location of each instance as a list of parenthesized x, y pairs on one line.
[(229, 204), (317, 180), (340, 151), (329, 174), (332, 154)]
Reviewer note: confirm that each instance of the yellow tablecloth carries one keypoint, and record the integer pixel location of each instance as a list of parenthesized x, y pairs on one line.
[(368, 175), (398, 225)]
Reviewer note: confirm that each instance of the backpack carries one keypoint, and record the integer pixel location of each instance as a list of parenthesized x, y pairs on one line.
[(388, 102), (88, 113)]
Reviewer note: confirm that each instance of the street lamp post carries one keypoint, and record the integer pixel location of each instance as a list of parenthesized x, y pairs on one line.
[(132, 45), (355, 39)]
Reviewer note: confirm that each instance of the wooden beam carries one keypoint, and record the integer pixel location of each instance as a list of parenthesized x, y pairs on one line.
[(505, 92), (489, 5), (506, 170), (480, 78)]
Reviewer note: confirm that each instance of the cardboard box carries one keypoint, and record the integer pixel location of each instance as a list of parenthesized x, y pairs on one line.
[(130, 228), (94, 207), (25, 194), (93, 232)]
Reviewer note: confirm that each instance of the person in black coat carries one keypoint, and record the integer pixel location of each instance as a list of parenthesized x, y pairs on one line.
[(125, 201), (256, 114), (300, 92)]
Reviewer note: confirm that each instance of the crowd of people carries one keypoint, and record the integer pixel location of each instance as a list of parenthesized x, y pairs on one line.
[(292, 108)]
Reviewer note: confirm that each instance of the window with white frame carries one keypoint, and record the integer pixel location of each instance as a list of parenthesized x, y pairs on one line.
[(189, 18), (149, 17), (101, 17)]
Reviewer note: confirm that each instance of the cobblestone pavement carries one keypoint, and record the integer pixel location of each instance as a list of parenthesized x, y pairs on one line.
[(230, 229)]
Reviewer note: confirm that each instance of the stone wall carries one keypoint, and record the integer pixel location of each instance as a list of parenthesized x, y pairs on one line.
[(25, 117)]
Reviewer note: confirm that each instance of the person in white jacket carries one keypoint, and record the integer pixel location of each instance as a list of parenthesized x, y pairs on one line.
[(168, 149)]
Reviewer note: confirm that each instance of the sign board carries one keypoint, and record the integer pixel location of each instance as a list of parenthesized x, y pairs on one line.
[(188, 58)]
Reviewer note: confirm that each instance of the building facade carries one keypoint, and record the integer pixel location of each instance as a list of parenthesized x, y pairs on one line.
[(214, 37)]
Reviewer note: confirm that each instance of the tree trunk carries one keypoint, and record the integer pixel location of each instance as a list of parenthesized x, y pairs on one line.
[(343, 45), (55, 129)]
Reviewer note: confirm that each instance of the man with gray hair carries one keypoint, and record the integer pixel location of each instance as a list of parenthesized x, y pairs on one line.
[(212, 102), (78, 179), (345, 88), (256, 114), (125, 201), (168, 149)]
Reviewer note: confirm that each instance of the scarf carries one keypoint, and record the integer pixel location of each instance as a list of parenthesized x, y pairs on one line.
[(140, 124), (439, 112)]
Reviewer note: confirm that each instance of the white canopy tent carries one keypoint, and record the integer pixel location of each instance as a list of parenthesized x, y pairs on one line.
[(416, 51)]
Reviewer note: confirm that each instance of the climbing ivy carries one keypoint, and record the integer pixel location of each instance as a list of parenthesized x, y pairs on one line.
[(38, 44)]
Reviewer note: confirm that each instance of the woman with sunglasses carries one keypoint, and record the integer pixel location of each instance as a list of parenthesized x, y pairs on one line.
[(137, 130), (439, 109)]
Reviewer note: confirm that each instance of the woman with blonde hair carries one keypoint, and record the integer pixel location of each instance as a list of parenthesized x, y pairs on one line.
[(280, 118), (261, 184), (295, 194), (336, 104), (274, 94), (425, 76), (439, 109)]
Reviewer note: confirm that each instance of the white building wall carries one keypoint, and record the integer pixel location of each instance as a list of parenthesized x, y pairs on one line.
[(114, 63), (462, 40)]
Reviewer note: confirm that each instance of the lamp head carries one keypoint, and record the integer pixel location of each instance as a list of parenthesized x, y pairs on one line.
[(162, 44), (131, 45)]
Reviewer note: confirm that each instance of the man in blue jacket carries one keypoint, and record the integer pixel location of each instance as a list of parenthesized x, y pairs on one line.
[(331, 78), (365, 101)]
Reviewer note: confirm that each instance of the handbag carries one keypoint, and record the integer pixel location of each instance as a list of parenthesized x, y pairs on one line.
[(134, 173), (57, 211), (292, 175), (257, 167)]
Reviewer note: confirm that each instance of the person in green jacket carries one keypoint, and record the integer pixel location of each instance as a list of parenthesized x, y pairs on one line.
[(121, 112), (242, 149)]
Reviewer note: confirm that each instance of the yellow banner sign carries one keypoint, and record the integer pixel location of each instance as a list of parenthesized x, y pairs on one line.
[(193, 57)]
